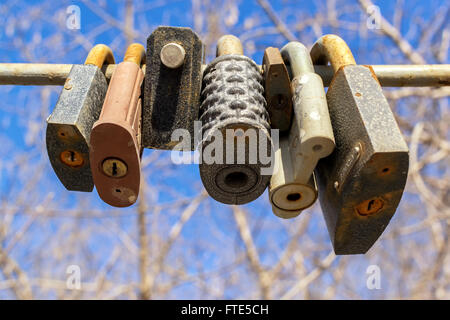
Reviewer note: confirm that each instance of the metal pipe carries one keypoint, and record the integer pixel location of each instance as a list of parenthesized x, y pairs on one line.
[(437, 75), (428, 75)]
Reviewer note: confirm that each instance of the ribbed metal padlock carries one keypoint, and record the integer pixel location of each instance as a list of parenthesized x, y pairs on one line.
[(309, 139), (362, 181), (233, 114), (69, 126), (116, 137)]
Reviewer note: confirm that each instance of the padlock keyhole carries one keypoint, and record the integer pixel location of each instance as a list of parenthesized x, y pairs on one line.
[(294, 196), (236, 179), (280, 99), (370, 207), (71, 158)]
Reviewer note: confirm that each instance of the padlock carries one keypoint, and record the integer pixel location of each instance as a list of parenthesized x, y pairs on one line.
[(309, 139), (277, 90), (288, 196), (172, 87), (116, 137), (362, 181), (70, 124), (233, 110)]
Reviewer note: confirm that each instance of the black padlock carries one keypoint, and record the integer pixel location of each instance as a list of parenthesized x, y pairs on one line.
[(70, 124), (172, 86), (362, 181)]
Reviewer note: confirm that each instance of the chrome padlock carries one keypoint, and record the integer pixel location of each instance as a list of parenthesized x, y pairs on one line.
[(362, 181), (235, 127), (309, 139), (116, 137), (70, 124)]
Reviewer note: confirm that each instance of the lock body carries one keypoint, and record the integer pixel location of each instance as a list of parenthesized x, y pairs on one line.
[(116, 138), (310, 137), (287, 195), (278, 92), (69, 126), (234, 106), (362, 181), (172, 87)]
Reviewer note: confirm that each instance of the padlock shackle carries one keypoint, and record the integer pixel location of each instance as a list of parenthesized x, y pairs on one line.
[(229, 44), (333, 49), (135, 53), (99, 55), (297, 56)]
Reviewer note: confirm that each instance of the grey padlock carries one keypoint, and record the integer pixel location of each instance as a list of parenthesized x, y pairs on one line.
[(362, 181), (70, 124), (287, 195), (309, 139), (233, 114)]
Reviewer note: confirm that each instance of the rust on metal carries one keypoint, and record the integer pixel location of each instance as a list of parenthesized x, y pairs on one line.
[(371, 206), (331, 48), (72, 158), (100, 55), (277, 89), (135, 53)]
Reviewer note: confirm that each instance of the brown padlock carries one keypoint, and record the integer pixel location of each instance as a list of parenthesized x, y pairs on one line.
[(116, 137)]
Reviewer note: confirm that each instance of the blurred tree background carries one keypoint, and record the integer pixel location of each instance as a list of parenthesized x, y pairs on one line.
[(175, 242)]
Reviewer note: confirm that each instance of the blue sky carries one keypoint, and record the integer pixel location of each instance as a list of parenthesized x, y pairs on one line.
[(22, 114)]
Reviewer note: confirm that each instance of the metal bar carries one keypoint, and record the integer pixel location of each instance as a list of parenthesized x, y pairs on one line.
[(36, 74), (429, 75), (437, 75)]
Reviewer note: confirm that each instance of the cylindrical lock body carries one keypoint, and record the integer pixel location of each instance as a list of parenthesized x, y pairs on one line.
[(69, 126), (287, 195), (311, 136), (233, 102), (116, 138)]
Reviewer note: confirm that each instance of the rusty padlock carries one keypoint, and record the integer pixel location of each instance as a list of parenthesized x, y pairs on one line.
[(309, 139), (362, 181), (234, 118), (116, 137), (277, 90), (69, 126)]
